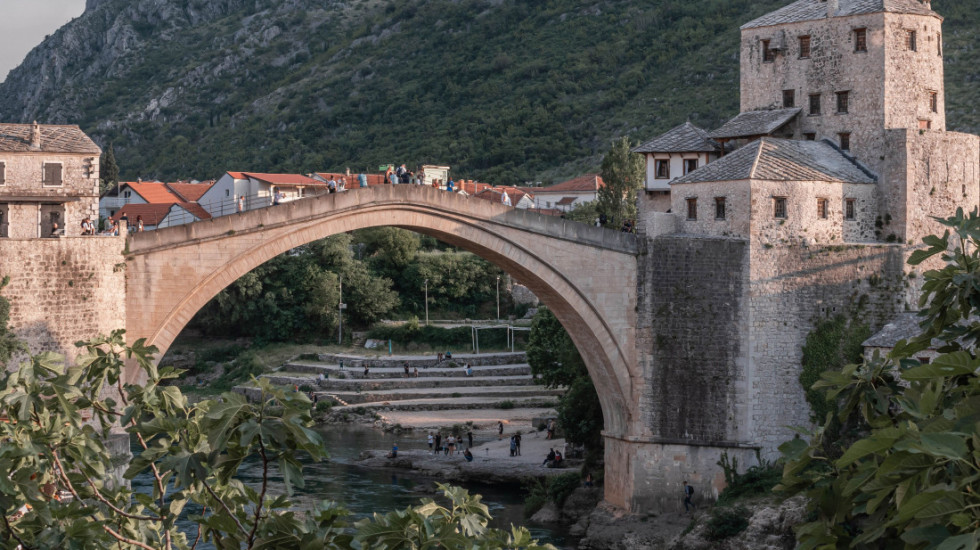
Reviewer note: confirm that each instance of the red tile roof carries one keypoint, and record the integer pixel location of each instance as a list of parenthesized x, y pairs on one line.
[(581, 184), (152, 192), (153, 214), (565, 201), (547, 211), (190, 192), (284, 179), (237, 175), (471, 187)]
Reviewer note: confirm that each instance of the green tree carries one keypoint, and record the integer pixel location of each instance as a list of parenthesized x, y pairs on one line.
[(193, 453), (9, 344), (911, 477), (622, 172), (108, 170), (554, 357)]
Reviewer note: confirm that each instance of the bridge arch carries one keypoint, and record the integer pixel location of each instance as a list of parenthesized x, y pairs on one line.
[(586, 276)]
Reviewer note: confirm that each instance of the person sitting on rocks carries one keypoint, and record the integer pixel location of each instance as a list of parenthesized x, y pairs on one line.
[(449, 355), (558, 462), (394, 451), (468, 455), (549, 458)]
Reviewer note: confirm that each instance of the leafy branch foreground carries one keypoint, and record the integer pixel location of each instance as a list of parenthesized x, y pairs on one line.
[(910, 477), (58, 492)]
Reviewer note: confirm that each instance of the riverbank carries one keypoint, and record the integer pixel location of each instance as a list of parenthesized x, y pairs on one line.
[(492, 463)]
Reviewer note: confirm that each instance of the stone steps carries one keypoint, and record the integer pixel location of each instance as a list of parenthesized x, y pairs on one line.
[(377, 384), (421, 361), (461, 403), (502, 392), (333, 370)]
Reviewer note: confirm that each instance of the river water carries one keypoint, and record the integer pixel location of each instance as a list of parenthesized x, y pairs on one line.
[(365, 492)]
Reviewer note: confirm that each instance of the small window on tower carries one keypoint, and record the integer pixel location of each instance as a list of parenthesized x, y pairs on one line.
[(860, 40), (939, 43), (910, 41), (662, 169), (934, 102), (3, 173), (690, 165), (925, 124), (843, 102), (849, 209), (814, 104), (804, 47), (692, 209), (789, 98), (720, 208), (822, 209), (845, 141), (768, 55), (779, 207), (810, 136)]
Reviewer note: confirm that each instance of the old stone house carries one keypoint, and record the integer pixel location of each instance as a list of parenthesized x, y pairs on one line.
[(49, 180), (862, 76)]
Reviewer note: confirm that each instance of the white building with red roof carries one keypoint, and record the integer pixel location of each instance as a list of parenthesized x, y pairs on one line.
[(566, 195), (158, 216), (257, 191), (150, 192)]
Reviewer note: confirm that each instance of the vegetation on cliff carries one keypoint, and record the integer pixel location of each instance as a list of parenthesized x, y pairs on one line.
[(504, 91)]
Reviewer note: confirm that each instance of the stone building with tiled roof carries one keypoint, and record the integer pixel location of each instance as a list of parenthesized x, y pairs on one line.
[(567, 194), (49, 180), (676, 153)]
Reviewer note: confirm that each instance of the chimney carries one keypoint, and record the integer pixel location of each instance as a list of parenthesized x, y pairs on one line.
[(35, 137), (832, 7)]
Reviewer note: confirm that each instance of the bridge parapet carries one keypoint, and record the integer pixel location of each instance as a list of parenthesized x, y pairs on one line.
[(321, 206)]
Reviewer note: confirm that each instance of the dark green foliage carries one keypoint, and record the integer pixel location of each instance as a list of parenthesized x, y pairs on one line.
[(756, 481), (506, 405), (323, 406), (908, 477), (457, 338), (553, 356), (622, 172), (9, 344), (726, 523), (240, 370), (554, 489), (108, 170), (832, 344)]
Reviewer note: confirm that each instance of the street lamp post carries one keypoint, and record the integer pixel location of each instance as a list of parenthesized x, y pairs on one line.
[(426, 302), (498, 298), (340, 314)]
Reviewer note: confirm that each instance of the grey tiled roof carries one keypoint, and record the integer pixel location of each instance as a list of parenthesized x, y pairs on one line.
[(782, 160), (16, 138), (903, 327), (755, 123), (811, 10), (686, 138)]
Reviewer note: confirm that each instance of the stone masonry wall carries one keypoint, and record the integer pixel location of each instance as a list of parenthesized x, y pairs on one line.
[(833, 66), (791, 289), (23, 178), (64, 290), (690, 316), (910, 76)]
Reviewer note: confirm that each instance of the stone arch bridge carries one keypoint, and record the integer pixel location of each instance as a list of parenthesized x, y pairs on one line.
[(587, 276)]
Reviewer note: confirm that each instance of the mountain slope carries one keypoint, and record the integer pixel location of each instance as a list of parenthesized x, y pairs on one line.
[(500, 90)]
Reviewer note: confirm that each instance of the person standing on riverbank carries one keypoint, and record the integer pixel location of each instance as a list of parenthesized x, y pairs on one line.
[(517, 443), (469, 437), (500, 430), (431, 439), (438, 442)]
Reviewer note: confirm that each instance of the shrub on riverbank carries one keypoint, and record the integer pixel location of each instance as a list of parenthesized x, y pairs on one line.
[(555, 489), (439, 337)]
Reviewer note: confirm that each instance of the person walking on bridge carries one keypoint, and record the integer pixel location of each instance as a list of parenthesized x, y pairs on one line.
[(362, 180)]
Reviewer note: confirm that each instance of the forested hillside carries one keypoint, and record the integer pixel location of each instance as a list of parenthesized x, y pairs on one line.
[(503, 90)]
